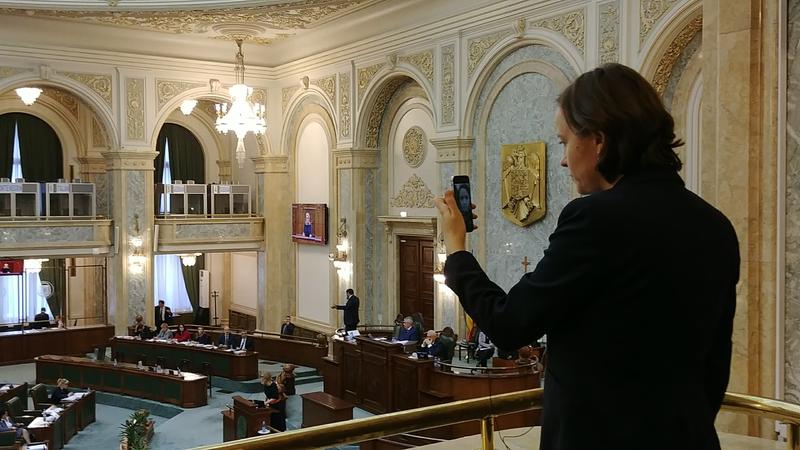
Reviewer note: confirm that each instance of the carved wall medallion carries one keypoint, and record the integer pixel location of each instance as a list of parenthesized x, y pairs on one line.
[(523, 179), (422, 61), (344, 104), (448, 89), (479, 46), (166, 90), (328, 87), (66, 99), (413, 194), (365, 75), (10, 71), (414, 146), (667, 62), (259, 96), (135, 95), (378, 107), (101, 84), (286, 95), (571, 25), (650, 11), (608, 44)]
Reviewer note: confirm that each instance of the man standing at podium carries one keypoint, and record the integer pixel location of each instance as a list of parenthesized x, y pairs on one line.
[(350, 309)]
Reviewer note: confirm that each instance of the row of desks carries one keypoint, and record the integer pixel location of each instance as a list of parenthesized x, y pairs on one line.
[(75, 417), (22, 346)]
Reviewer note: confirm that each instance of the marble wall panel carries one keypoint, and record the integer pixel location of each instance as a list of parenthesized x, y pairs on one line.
[(792, 292), (21, 235), (212, 231), (375, 254), (135, 199), (522, 112), (102, 192)]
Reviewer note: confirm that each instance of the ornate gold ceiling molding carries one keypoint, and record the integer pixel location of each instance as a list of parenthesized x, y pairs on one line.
[(479, 46), (98, 134), (365, 75), (414, 146), (413, 194), (448, 84), (571, 25), (275, 21), (676, 47), (134, 87), (100, 84), (422, 61), (166, 90), (650, 11), (10, 71), (608, 44), (378, 107), (286, 95), (344, 104), (64, 98), (328, 86)]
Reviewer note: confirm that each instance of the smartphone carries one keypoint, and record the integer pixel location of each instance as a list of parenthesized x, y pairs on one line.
[(464, 199)]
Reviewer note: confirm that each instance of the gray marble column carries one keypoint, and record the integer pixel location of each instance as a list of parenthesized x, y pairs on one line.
[(130, 194), (93, 170)]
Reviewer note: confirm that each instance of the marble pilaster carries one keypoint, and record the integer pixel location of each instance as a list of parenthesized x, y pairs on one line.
[(276, 287), (130, 181)]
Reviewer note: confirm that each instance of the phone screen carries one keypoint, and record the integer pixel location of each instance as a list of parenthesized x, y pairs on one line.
[(463, 195)]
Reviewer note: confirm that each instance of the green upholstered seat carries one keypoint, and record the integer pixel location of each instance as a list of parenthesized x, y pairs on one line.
[(18, 412), (448, 349), (39, 396)]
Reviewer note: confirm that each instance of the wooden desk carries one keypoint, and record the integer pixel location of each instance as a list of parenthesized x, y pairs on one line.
[(22, 346), (52, 432), (19, 390), (187, 390), (320, 408), (289, 350), (248, 418), (85, 409), (242, 366)]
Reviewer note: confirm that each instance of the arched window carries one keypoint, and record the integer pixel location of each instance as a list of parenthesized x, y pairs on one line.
[(180, 157), (40, 155)]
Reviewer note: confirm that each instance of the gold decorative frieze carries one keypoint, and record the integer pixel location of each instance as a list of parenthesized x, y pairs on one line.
[(478, 47), (91, 165), (166, 90), (134, 87), (356, 158), (378, 107), (286, 95), (344, 104), (453, 150), (448, 84), (365, 75), (676, 47), (100, 84), (259, 96), (414, 146), (99, 138), (571, 25), (523, 182), (129, 160), (271, 164), (650, 11), (413, 194), (207, 107), (608, 43), (328, 86), (10, 71), (64, 98), (422, 61)]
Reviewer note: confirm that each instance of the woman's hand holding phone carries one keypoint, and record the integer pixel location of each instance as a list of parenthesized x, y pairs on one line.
[(454, 229)]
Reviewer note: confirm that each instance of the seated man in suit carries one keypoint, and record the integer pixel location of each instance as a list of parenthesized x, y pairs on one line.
[(245, 343), (42, 316), (287, 329), (227, 339), (408, 332), (162, 314), (432, 344), (202, 337)]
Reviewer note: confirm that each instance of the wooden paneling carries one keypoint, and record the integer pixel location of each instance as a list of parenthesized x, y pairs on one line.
[(292, 351), (241, 321), (21, 346), (320, 408), (416, 276)]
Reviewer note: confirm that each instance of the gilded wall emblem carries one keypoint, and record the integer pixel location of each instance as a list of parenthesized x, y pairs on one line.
[(523, 181)]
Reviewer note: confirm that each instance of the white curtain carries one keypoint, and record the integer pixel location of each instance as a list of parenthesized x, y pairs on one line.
[(21, 297), (169, 285), (10, 298), (35, 301)]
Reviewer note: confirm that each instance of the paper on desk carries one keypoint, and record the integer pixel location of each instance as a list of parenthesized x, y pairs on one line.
[(37, 423)]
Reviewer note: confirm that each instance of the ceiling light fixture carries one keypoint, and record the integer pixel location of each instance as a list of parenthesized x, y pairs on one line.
[(28, 95), (243, 116), (188, 106)]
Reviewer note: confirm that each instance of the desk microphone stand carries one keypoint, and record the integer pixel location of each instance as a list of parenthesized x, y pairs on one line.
[(214, 295)]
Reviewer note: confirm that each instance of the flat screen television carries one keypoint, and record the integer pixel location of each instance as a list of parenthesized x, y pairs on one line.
[(310, 223)]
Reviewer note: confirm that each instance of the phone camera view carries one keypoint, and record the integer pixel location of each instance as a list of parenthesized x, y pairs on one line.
[(464, 199)]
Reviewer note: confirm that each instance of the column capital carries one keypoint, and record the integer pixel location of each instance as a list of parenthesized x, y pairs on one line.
[(224, 168), (129, 160), (92, 164), (453, 149), (355, 158), (271, 164)]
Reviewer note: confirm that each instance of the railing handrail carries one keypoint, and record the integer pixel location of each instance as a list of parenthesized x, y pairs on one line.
[(483, 408)]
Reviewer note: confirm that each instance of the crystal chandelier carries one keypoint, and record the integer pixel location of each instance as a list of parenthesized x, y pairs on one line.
[(242, 116), (28, 95)]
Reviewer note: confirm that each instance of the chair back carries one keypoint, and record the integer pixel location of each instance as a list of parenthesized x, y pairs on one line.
[(15, 408), (448, 349), (39, 394)]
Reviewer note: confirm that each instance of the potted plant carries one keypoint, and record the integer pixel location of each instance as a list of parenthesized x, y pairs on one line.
[(137, 431)]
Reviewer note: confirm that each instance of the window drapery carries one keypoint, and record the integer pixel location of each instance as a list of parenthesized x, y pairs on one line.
[(40, 148)]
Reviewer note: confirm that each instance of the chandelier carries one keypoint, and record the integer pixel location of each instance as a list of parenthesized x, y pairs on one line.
[(28, 95), (243, 116)]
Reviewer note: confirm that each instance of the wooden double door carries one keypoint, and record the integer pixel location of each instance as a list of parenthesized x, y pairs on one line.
[(416, 276)]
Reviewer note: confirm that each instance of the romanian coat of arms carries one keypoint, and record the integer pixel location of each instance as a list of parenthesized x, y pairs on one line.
[(523, 181)]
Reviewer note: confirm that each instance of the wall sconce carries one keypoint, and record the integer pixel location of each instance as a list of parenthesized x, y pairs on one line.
[(339, 257), (136, 260), (190, 260), (441, 257)]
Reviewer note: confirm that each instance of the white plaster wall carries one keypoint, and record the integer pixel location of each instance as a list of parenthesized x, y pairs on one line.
[(243, 283), (313, 266), (400, 171)]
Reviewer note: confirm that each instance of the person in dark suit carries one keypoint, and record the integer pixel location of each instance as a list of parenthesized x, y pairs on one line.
[(60, 392), (202, 337), (227, 339), (42, 316), (350, 309), (162, 314), (245, 342), (639, 262), (287, 328), (408, 332)]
